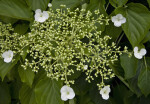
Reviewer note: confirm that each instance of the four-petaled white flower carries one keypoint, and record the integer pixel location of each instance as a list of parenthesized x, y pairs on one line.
[(67, 93), (49, 5), (7, 55), (85, 67), (105, 92), (118, 20), (139, 54), (41, 16)]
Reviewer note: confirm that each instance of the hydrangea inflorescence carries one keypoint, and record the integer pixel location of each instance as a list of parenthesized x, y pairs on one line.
[(69, 41), (11, 41)]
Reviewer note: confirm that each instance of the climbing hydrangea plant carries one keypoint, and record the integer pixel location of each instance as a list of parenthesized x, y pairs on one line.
[(64, 43)]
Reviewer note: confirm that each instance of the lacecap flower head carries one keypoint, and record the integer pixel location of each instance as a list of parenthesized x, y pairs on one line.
[(7, 55), (118, 20), (105, 92), (139, 54), (67, 93), (41, 16)]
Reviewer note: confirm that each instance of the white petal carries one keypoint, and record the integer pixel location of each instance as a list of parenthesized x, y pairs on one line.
[(71, 95), (107, 88), (143, 51), (36, 16), (123, 20), (64, 89), (105, 96), (138, 55), (5, 54), (45, 14), (64, 97), (38, 11), (117, 23), (7, 60), (119, 16), (41, 19), (10, 52), (49, 5), (113, 19), (135, 49)]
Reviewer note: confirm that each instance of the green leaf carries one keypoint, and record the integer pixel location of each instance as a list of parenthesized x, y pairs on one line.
[(112, 31), (120, 92), (6, 19), (97, 4), (27, 95), (148, 2), (21, 28), (129, 65), (5, 97), (27, 76), (38, 4), (47, 91), (25, 52), (118, 3), (15, 9), (6, 67), (138, 22), (133, 82), (147, 38), (143, 81), (69, 3)]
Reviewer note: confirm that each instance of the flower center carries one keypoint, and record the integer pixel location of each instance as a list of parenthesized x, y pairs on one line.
[(105, 92), (41, 15), (67, 93)]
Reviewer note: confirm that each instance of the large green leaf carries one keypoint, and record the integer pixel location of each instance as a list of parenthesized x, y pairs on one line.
[(148, 2), (27, 76), (21, 28), (112, 31), (147, 38), (138, 22), (143, 81), (38, 4), (97, 4), (129, 65), (27, 95), (47, 91), (118, 3), (133, 82), (6, 19), (15, 9), (5, 97), (69, 3), (6, 67)]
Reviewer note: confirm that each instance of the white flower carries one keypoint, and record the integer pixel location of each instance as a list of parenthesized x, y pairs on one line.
[(139, 54), (67, 93), (85, 67), (105, 92), (49, 5), (118, 20), (7, 55), (41, 16)]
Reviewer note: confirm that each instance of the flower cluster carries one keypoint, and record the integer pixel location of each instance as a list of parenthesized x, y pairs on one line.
[(11, 43), (64, 41), (69, 41)]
